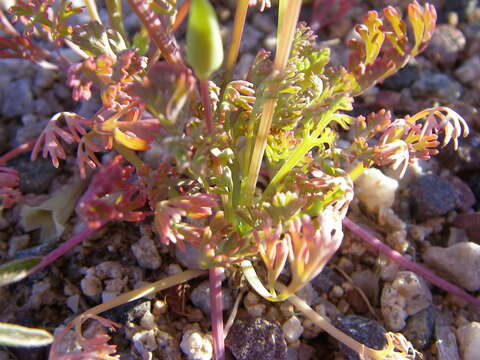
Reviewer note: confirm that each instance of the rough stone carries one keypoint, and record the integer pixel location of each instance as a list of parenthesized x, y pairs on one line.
[(407, 295), (146, 253), (465, 197), (431, 196), (263, 22), (324, 281), (438, 86), (128, 312), (459, 263), (445, 343), (467, 156), (419, 328), (446, 44), (469, 340), (18, 99), (35, 176), (196, 345), (200, 297), (469, 71), (254, 339), (375, 190), (366, 331), (402, 79)]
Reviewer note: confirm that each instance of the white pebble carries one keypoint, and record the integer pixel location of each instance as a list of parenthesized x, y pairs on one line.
[(407, 295), (469, 339), (145, 343), (375, 190), (292, 329), (459, 263), (196, 345), (146, 253)]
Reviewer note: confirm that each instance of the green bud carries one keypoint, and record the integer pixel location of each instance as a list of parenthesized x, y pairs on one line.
[(204, 43)]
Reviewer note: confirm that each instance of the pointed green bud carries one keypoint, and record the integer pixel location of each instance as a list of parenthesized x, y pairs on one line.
[(204, 43)]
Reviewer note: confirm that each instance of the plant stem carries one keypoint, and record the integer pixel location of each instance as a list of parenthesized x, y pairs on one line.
[(141, 292), (114, 8), (206, 105), (238, 25), (181, 15), (17, 151), (287, 20), (92, 10), (65, 247), (216, 314), (408, 264), (129, 155)]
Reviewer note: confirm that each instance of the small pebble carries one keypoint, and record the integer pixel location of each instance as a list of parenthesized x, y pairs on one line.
[(18, 99), (446, 343), (366, 331), (375, 190), (196, 345), (407, 295), (446, 44), (255, 339), (471, 224), (469, 339), (469, 71), (432, 196), (437, 86), (459, 263), (292, 329), (419, 328), (146, 253), (200, 297)]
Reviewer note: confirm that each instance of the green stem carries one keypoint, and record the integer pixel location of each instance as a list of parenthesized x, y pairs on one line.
[(238, 25), (92, 10), (289, 11), (114, 8)]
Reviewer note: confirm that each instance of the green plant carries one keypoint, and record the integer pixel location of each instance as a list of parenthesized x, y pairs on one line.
[(221, 138)]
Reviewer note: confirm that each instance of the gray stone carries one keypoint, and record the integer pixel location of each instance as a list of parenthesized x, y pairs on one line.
[(469, 340), (324, 281), (402, 79), (18, 99), (35, 176), (366, 331), (419, 329), (200, 297), (437, 85), (251, 40), (431, 196), (445, 342), (446, 44), (459, 263), (188, 258), (255, 339), (469, 71)]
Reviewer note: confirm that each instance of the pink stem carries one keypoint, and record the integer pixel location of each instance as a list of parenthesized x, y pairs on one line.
[(65, 247), (206, 104), (17, 151), (406, 263), (216, 314)]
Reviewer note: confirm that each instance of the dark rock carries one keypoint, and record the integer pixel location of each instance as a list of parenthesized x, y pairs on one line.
[(128, 312), (35, 176), (4, 138), (402, 79), (39, 353), (431, 196), (438, 86), (18, 99), (471, 224), (356, 301), (255, 339), (446, 44), (324, 281), (366, 331), (467, 156), (419, 328), (475, 186), (465, 196)]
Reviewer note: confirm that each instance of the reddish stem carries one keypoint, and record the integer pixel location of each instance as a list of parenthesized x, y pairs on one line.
[(65, 247), (17, 151), (216, 314), (207, 106), (181, 15), (408, 264)]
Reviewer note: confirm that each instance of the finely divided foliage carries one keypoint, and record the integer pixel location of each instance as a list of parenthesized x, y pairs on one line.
[(195, 190)]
